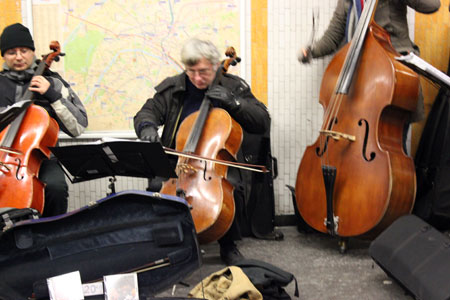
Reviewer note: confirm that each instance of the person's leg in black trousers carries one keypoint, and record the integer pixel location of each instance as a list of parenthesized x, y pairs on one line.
[(56, 189)]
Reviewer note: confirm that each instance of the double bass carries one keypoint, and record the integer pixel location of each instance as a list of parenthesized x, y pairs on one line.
[(356, 179), (24, 144), (210, 133)]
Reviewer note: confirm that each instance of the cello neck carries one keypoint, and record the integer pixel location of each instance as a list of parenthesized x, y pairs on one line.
[(194, 135), (357, 42), (15, 125), (28, 95)]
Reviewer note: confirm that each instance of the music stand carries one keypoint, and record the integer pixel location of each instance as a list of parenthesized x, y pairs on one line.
[(12, 112), (113, 158), (426, 69)]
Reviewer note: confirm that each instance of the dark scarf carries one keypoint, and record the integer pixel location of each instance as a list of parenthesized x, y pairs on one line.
[(21, 77), (192, 99)]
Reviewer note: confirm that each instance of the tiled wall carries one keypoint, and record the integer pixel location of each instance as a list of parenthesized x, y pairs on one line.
[(293, 87)]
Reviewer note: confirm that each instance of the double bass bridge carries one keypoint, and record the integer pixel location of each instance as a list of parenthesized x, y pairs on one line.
[(338, 135)]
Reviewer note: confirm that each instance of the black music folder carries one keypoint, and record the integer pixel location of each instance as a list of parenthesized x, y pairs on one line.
[(113, 157), (11, 112)]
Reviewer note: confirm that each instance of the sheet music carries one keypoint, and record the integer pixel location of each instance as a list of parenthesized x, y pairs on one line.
[(422, 67)]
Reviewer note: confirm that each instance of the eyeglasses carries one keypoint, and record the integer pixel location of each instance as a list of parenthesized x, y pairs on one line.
[(15, 51), (201, 72)]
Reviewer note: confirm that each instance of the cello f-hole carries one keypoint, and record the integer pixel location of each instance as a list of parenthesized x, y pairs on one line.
[(366, 135), (204, 173), (19, 162)]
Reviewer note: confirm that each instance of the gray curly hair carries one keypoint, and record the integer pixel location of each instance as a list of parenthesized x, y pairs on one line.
[(195, 49)]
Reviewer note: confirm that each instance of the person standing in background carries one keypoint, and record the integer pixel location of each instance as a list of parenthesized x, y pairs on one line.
[(389, 14)]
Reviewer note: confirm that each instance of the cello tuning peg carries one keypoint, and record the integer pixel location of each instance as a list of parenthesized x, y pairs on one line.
[(238, 59), (62, 54)]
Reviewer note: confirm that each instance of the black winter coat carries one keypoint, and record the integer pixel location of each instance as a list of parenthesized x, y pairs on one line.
[(166, 105)]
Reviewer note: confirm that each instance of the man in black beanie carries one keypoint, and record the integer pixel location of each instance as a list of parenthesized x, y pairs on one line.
[(16, 35), (49, 91)]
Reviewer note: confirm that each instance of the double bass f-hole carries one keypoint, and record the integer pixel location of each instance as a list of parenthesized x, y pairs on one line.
[(366, 137)]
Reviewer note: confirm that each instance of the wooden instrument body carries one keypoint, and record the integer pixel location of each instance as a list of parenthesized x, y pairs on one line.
[(19, 183), (375, 179), (204, 183)]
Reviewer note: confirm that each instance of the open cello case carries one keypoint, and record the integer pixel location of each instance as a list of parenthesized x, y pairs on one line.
[(147, 233)]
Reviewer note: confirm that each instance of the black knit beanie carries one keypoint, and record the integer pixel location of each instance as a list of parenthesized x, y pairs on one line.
[(15, 35)]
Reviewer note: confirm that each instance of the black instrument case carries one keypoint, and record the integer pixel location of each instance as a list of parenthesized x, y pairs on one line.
[(133, 231), (417, 256)]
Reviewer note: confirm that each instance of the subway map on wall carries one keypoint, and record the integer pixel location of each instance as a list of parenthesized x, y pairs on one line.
[(118, 51)]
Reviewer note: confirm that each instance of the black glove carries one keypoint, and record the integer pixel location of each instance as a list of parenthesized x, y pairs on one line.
[(304, 55), (150, 133), (224, 96)]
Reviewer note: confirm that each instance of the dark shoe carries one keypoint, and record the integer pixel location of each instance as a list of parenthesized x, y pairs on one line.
[(230, 255)]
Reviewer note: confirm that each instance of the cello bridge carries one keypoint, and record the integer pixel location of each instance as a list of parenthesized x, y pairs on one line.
[(185, 168), (338, 135)]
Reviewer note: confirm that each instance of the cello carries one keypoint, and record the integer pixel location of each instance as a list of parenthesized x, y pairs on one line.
[(356, 179), (210, 133), (24, 144)]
